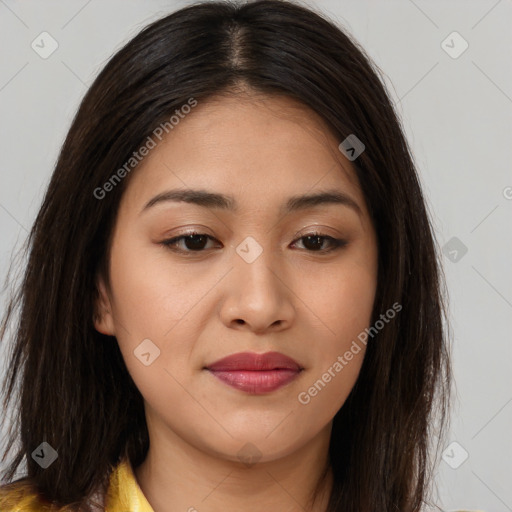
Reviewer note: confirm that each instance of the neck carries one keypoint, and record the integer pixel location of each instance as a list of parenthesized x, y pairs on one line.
[(178, 476)]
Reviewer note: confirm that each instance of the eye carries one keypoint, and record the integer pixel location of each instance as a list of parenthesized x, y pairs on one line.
[(314, 242), (196, 242)]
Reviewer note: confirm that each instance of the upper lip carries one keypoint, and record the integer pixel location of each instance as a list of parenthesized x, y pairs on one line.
[(255, 362)]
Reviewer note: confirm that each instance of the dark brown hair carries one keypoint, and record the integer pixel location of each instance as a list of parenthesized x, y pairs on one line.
[(69, 382)]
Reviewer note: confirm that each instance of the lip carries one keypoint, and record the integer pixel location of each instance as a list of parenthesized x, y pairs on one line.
[(256, 373)]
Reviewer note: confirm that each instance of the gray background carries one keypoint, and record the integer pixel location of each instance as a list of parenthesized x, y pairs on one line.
[(457, 115)]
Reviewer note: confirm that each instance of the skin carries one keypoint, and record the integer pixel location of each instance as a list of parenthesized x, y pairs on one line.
[(199, 307)]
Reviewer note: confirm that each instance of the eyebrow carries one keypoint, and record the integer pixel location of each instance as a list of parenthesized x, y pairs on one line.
[(208, 199)]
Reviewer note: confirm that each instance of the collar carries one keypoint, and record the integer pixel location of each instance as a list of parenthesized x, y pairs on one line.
[(124, 492)]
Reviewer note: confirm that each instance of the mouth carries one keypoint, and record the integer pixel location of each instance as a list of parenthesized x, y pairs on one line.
[(256, 373)]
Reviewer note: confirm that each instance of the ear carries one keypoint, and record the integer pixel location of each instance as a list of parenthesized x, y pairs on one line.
[(102, 316)]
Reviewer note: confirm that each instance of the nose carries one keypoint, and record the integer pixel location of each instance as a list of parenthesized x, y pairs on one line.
[(258, 295)]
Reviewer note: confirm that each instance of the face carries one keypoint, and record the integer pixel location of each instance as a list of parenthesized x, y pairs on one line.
[(261, 274)]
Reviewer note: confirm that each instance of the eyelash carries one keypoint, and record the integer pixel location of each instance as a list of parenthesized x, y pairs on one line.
[(336, 243)]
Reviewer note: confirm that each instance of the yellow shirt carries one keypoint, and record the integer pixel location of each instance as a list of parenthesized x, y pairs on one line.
[(123, 494)]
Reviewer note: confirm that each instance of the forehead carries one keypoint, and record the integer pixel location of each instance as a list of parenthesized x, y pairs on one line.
[(263, 147)]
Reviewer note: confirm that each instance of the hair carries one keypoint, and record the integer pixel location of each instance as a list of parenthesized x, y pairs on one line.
[(70, 383)]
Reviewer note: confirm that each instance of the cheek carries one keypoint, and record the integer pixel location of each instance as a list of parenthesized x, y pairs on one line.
[(340, 300), (324, 394), (151, 296), (344, 310), (151, 305)]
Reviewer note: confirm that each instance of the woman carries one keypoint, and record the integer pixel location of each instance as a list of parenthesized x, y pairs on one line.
[(233, 296)]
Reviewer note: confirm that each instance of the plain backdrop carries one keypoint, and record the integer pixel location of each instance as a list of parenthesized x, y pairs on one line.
[(447, 67)]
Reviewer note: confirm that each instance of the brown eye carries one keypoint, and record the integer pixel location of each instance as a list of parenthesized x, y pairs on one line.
[(313, 242), (193, 242)]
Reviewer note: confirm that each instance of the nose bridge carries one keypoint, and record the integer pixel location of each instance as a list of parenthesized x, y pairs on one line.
[(256, 293), (255, 265)]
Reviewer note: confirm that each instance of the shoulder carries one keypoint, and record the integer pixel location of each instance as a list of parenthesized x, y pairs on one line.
[(20, 496)]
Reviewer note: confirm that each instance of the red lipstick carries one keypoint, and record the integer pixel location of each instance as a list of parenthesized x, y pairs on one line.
[(256, 373)]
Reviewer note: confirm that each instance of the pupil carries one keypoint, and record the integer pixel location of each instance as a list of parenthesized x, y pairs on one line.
[(192, 242), (314, 237)]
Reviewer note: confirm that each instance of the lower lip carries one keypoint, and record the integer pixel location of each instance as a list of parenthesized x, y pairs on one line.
[(256, 382)]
